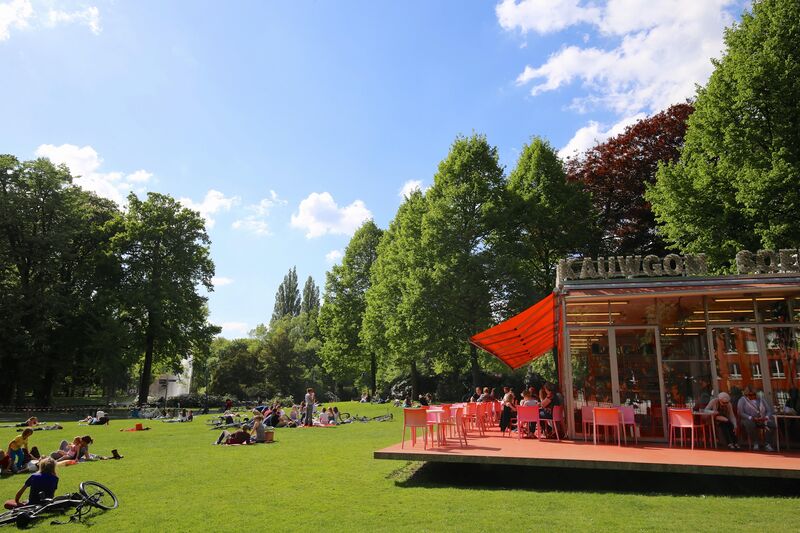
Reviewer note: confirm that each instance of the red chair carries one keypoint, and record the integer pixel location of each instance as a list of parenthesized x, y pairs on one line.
[(526, 415), (606, 417), (414, 419), (436, 419), (682, 419)]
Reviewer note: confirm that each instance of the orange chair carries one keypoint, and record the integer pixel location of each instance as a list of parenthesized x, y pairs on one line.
[(682, 419), (474, 417), (455, 421), (436, 419), (606, 417), (526, 415), (414, 419)]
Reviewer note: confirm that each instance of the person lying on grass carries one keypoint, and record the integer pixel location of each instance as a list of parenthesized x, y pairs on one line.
[(242, 436), (49, 427)]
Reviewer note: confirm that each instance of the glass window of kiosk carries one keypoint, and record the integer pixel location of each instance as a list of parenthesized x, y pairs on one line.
[(684, 352)]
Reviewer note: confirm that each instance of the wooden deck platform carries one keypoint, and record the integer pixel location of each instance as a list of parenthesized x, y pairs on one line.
[(496, 449)]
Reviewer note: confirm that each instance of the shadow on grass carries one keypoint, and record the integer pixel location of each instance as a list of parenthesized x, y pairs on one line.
[(547, 479)]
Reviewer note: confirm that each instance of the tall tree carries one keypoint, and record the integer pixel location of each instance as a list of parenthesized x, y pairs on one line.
[(455, 232), (310, 303), (537, 226), (287, 299), (165, 250), (342, 352), (616, 173), (57, 281), (737, 183), (397, 319)]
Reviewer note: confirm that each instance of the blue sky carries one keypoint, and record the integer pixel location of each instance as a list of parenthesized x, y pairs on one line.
[(287, 124)]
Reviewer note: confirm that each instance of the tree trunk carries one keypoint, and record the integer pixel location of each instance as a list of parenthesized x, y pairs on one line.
[(476, 369), (44, 392), (144, 384), (373, 373), (414, 381)]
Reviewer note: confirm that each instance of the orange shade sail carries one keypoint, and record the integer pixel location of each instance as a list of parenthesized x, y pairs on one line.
[(524, 337)]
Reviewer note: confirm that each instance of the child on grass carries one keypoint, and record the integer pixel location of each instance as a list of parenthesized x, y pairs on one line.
[(18, 449), (43, 484)]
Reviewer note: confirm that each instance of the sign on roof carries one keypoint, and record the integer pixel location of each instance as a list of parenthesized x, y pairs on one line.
[(632, 266)]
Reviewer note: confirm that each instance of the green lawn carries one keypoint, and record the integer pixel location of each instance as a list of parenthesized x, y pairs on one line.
[(172, 479)]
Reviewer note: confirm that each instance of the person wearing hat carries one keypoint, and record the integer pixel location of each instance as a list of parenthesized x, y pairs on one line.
[(725, 419)]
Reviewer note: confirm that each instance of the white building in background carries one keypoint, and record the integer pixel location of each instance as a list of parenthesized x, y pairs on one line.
[(170, 385)]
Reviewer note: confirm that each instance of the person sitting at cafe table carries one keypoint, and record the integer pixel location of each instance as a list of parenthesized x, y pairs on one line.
[(529, 400), (508, 409), (755, 416), (724, 419), (549, 400)]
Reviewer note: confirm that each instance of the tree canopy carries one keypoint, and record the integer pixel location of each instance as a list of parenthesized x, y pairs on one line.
[(616, 174), (737, 182), (342, 352), (287, 298)]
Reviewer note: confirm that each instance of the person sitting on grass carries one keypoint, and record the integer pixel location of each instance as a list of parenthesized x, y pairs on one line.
[(335, 413), (18, 449), (42, 484), (259, 429), (323, 417)]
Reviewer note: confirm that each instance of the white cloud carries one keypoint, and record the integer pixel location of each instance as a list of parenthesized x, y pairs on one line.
[(333, 256), (659, 51), (15, 14), (319, 214), (221, 281), (84, 163), (214, 202), (21, 15), (234, 329), (409, 187), (89, 17), (544, 16), (593, 133), (256, 222), (663, 49)]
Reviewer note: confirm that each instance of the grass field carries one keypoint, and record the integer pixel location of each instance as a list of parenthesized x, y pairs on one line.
[(172, 479)]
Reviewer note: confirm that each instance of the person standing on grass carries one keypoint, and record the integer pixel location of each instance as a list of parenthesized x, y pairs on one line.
[(310, 399)]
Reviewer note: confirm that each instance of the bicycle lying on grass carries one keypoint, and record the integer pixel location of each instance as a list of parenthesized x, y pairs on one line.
[(347, 419), (91, 494)]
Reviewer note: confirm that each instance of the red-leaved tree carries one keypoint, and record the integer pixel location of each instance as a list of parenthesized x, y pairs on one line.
[(616, 173)]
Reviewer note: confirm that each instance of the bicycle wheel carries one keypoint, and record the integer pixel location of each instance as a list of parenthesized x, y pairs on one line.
[(344, 417), (10, 517), (98, 495)]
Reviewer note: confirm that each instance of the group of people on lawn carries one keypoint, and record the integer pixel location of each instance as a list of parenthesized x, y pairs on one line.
[(309, 413), (19, 455)]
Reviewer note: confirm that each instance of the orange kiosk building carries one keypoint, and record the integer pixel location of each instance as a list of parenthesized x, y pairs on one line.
[(659, 332)]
